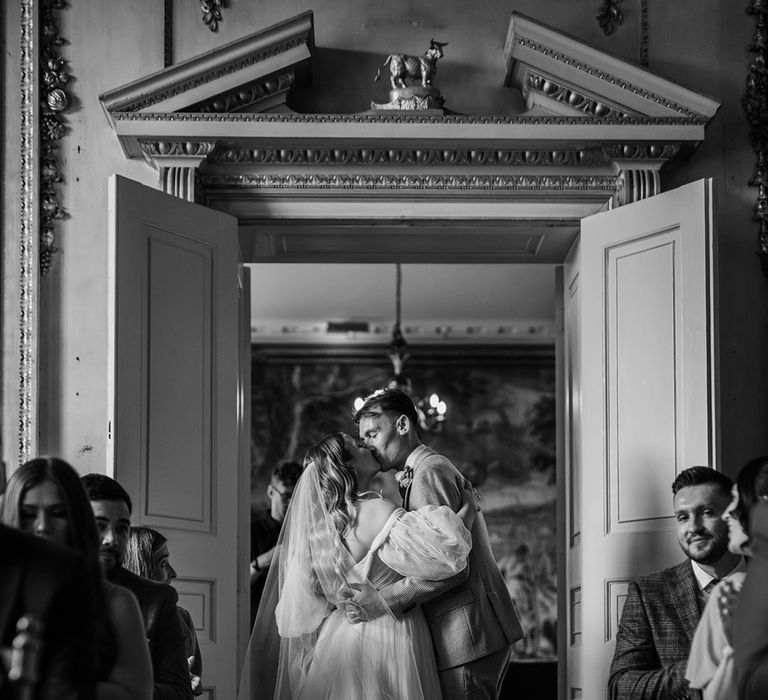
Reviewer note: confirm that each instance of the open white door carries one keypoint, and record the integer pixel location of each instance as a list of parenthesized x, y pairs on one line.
[(640, 397), (174, 402)]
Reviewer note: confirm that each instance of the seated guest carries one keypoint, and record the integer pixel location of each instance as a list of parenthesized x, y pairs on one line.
[(711, 664), (51, 585), (662, 610), (112, 506), (750, 622), (148, 556), (45, 498)]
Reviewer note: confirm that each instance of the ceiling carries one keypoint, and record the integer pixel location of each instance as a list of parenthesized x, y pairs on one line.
[(480, 303)]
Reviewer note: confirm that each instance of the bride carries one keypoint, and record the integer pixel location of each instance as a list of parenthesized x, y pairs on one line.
[(338, 536)]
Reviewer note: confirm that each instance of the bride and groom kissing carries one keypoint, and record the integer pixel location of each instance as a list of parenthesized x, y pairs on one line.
[(370, 600)]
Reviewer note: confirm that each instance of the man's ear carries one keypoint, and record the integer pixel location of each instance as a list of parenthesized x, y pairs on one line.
[(403, 424)]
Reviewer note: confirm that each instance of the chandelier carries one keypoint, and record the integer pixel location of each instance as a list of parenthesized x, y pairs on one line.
[(430, 409)]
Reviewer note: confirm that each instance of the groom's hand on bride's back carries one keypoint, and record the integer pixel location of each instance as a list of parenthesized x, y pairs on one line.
[(363, 603)]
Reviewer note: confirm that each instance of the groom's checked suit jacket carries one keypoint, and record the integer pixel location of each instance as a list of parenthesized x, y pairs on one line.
[(654, 637), (471, 614)]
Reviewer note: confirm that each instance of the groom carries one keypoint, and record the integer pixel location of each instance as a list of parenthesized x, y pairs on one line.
[(471, 616)]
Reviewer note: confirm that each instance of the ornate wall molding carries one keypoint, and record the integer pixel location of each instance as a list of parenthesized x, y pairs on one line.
[(568, 96), (396, 118), (641, 151), (756, 110), (634, 184), (167, 33), (367, 182), (644, 33), (406, 156), (211, 10), (177, 162), (208, 77), (603, 75), (501, 333), (249, 95), (54, 101), (28, 270)]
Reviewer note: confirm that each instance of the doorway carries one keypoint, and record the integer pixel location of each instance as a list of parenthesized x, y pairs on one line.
[(483, 336)]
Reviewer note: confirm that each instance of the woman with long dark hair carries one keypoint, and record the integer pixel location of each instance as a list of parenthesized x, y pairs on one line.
[(44, 497)]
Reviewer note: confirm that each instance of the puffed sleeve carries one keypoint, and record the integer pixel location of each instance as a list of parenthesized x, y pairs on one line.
[(429, 543)]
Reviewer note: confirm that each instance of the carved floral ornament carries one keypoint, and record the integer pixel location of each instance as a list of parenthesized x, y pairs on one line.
[(53, 102), (755, 104)]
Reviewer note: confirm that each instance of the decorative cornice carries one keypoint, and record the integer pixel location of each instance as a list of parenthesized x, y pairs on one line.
[(610, 16), (603, 75), (641, 151), (562, 93), (283, 47), (173, 149), (396, 118), (211, 10), (53, 100), (209, 77), (407, 156), (248, 95), (756, 110), (368, 182)]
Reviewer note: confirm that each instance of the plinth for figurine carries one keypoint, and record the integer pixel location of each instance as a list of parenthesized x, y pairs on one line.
[(417, 98)]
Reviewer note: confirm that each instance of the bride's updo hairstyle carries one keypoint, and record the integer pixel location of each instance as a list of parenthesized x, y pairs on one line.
[(337, 478), (752, 486)]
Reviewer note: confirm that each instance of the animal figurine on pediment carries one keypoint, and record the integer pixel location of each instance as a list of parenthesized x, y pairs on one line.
[(418, 68)]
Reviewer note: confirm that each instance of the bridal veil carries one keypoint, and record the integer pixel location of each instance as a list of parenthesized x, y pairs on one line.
[(309, 574)]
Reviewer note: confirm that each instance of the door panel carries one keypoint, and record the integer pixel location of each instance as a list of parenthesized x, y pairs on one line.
[(174, 388), (640, 359)]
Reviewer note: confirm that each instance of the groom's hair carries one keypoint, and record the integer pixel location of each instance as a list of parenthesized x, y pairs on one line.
[(392, 401)]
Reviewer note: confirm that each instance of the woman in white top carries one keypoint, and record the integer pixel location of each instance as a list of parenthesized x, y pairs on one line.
[(710, 662), (338, 535)]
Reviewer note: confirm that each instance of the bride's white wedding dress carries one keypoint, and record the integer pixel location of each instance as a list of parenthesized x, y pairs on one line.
[(389, 659), (302, 645)]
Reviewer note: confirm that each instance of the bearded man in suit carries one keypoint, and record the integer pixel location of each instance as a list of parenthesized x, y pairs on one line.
[(662, 610), (471, 617), (167, 648)]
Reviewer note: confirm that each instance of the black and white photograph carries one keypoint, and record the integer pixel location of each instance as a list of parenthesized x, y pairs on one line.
[(384, 351)]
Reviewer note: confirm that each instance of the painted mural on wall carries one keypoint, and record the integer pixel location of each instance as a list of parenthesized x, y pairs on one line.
[(499, 431)]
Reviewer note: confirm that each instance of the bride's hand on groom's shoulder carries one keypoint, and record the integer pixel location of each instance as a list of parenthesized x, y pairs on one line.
[(471, 496), (362, 603)]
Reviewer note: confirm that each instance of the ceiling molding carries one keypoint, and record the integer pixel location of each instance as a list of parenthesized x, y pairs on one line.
[(451, 333)]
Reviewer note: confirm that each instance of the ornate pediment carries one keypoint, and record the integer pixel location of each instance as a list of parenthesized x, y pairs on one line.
[(596, 134), (250, 74), (560, 75)]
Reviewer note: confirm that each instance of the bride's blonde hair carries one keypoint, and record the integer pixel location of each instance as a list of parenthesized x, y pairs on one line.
[(337, 478)]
